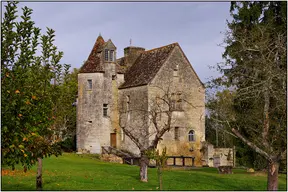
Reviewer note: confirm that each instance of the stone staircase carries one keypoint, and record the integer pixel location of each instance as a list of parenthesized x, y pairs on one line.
[(126, 157)]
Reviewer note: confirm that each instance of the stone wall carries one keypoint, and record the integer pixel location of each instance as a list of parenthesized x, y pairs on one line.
[(192, 117), (176, 75), (215, 157), (93, 129), (133, 116), (225, 154)]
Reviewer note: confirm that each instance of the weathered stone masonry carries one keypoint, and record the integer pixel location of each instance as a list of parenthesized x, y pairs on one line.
[(133, 82)]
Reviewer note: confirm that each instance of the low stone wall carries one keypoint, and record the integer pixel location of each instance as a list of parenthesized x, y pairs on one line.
[(111, 158), (214, 157)]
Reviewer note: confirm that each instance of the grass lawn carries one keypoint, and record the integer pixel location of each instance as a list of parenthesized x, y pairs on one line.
[(79, 172)]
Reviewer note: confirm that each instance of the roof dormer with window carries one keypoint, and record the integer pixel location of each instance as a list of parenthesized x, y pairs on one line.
[(109, 53)]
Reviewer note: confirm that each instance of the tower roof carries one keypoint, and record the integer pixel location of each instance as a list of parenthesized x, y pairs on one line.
[(93, 63)]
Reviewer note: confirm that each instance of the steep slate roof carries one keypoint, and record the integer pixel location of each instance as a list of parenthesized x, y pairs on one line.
[(141, 72), (146, 66), (93, 63), (121, 65)]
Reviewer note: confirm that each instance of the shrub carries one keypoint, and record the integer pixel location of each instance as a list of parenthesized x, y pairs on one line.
[(68, 145)]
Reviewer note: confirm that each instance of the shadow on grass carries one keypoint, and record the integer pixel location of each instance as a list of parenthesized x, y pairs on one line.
[(17, 187)]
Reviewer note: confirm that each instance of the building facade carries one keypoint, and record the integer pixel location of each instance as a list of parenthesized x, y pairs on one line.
[(121, 94)]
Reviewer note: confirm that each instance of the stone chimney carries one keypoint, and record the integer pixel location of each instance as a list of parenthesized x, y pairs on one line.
[(131, 53)]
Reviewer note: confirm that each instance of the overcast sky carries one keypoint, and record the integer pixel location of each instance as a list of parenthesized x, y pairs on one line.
[(196, 26)]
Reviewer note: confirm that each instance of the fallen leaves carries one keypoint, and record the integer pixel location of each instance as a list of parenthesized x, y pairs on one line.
[(8, 172)]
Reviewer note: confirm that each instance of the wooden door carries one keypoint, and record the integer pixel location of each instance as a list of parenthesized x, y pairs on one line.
[(113, 140)]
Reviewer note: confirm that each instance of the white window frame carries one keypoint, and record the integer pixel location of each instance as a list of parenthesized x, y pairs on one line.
[(191, 136)]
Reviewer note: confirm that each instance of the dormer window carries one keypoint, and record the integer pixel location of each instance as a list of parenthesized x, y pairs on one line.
[(109, 55), (111, 58), (106, 54)]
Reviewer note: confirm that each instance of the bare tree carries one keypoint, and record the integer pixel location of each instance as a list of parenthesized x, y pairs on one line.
[(259, 77), (154, 121)]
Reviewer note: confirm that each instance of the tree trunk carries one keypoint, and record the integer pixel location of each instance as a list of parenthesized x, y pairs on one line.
[(144, 161), (39, 175), (272, 182)]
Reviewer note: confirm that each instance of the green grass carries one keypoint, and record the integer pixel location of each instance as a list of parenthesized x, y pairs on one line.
[(74, 172)]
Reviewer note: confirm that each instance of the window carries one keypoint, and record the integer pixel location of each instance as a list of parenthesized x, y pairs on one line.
[(176, 101), (179, 102), (173, 106), (175, 72), (105, 110), (109, 55), (191, 135), (89, 83), (111, 58), (176, 67), (176, 133), (106, 54)]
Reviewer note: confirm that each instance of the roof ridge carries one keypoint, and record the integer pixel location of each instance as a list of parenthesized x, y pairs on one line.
[(176, 43)]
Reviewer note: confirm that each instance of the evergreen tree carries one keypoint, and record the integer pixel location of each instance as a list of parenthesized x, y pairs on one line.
[(255, 68)]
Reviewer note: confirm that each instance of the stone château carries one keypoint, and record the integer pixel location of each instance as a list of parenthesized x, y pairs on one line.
[(116, 93)]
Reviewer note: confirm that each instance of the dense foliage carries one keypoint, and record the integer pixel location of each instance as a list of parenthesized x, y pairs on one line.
[(29, 75), (255, 71), (65, 107)]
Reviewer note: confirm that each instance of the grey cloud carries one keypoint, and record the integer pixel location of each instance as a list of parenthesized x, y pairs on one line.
[(195, 25)]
